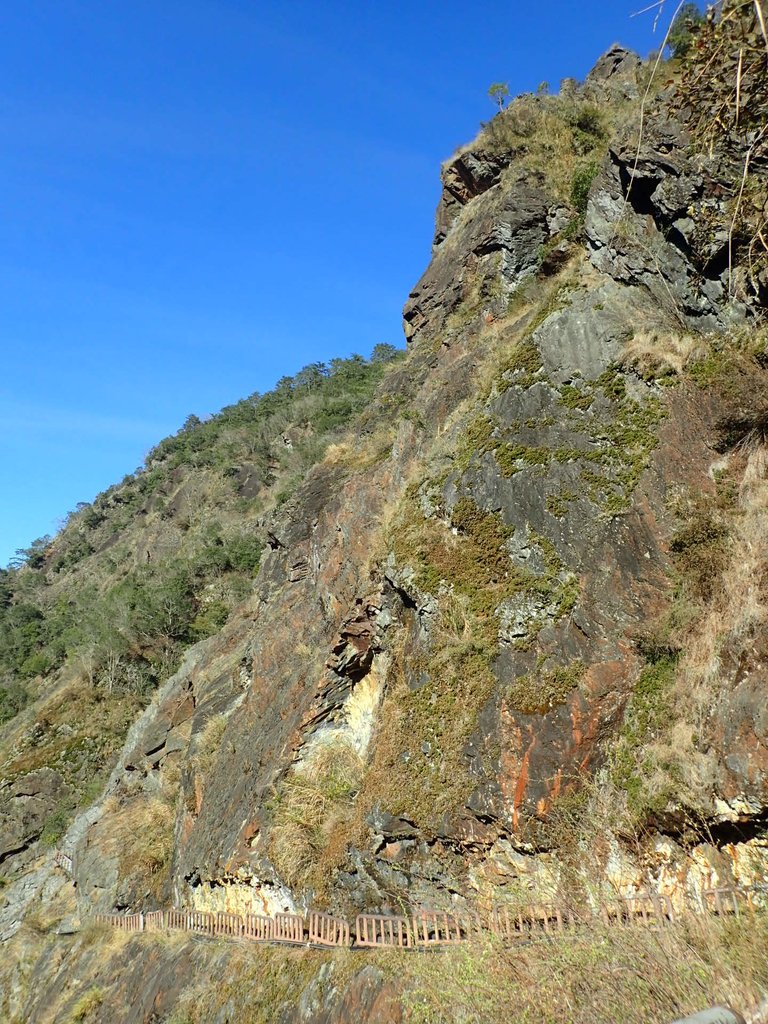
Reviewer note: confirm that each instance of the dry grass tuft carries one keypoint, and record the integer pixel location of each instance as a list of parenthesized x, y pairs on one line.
[(85, 1006), (313, 812), (208, 743), (660, 353), (739, 606), (720, 552), (141, 833)]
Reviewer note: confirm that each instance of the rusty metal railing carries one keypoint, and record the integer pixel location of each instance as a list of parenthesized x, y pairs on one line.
[(191, 921), (723, 901), (434, 928), (647, 909), (325, 930), (228, 924), (257, 927), (431, 928), (511, 922), (125, 922), (382, 930), (545, 918), (288, 928)]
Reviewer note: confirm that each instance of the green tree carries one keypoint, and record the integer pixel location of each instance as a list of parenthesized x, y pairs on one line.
[(499, 93), (13, 697), (33, 556), (684, 28), (310, 377), (384, 353)]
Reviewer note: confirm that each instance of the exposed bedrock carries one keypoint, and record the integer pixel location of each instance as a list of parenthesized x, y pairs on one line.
[(662, 216)]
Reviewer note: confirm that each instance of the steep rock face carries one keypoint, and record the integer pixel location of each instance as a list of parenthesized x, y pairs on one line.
[(30, 800), (525, 425), (617, 72), (465, 177), (497, 239)]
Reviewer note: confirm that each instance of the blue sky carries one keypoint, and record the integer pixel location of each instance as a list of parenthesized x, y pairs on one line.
[(199, 196)]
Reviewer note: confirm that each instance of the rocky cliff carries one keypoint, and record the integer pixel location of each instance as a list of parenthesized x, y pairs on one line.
[(508, 634)]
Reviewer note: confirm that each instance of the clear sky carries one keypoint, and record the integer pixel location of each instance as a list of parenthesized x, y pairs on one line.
[(199, 196)]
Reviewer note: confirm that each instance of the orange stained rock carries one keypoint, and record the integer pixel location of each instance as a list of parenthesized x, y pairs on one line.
[(522, 782)]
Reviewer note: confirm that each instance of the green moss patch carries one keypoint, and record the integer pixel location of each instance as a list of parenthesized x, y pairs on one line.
[(632, 766)]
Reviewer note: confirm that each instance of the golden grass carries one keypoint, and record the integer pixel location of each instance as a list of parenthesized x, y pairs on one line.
[(85, 1006), (75, 721), (140, 833), (550, 136), (738, 609), (313, 812), (208, 744), (721, 606), (656, 353)]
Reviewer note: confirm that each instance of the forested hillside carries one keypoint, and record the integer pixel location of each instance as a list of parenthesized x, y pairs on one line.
[(92, 620)]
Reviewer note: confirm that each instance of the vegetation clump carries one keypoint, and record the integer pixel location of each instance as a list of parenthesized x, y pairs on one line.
[(554, 137), (544, 689), (86, 1006), (312, 813), (581, 183), (688, 22), (648, 783), (520, 365)]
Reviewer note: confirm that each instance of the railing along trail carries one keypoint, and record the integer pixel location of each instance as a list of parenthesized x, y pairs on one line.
[(425, 929)]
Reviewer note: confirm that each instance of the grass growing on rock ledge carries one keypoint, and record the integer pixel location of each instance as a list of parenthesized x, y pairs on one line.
[(545, 688), (312, 813), (556, 137), (648, 781), (613, 428), (140, 833), (663, 758), (86, 1005)]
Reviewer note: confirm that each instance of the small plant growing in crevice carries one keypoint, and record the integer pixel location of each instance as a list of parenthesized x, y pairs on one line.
[(581, 183), (85, 1006)]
